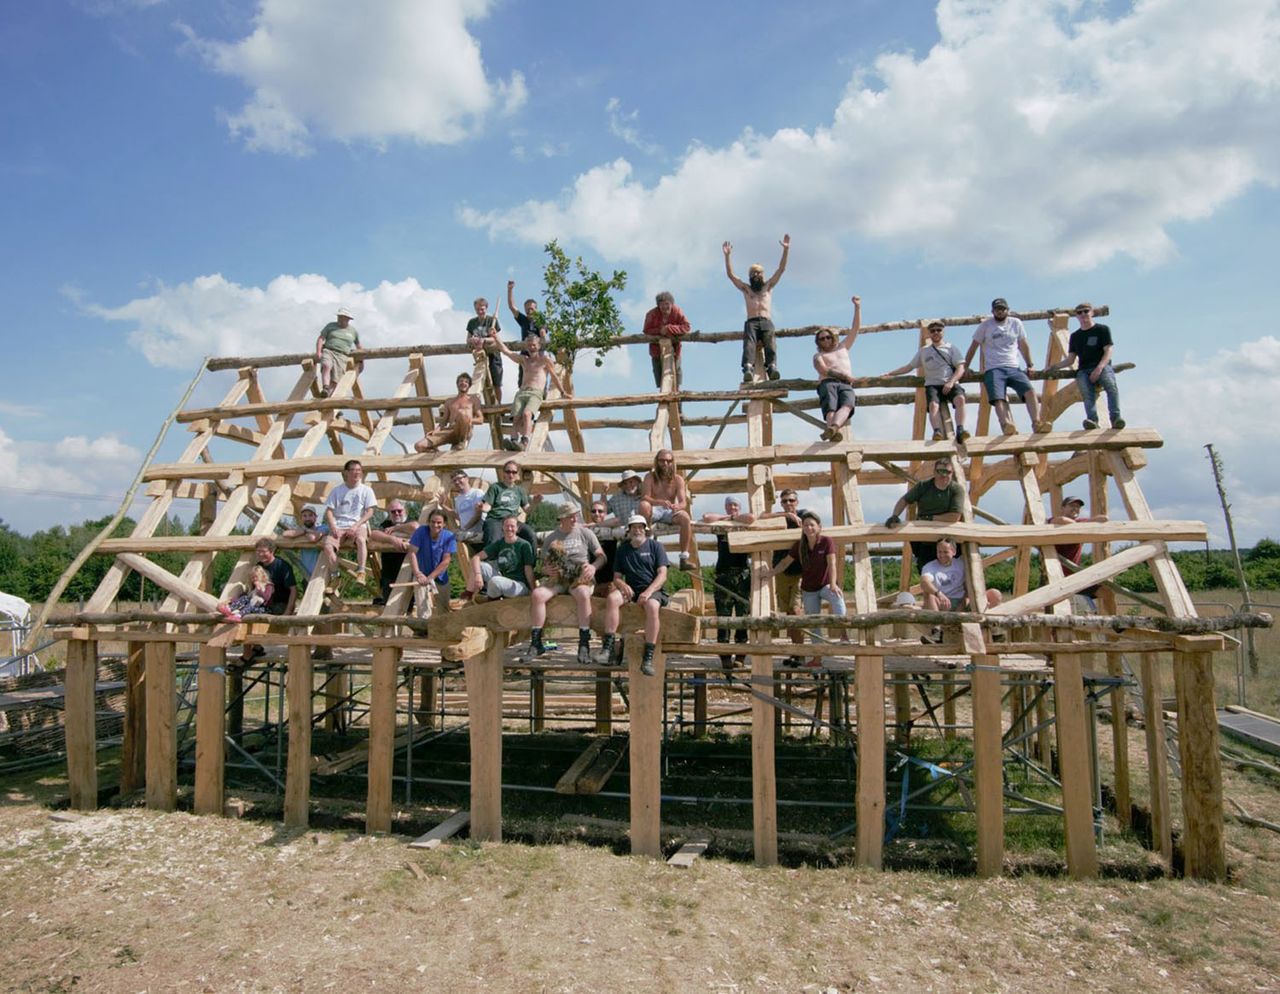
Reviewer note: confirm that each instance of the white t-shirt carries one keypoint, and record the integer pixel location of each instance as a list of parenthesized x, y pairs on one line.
[(349, 503), (465, 504), (937, 370), (948, 579), (1000, 341)]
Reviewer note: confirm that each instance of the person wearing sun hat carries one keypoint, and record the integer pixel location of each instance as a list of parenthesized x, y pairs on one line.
[(639, 573), (570, 557), (334, 346)]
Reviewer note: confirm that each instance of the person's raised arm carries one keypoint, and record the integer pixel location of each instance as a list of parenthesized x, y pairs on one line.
[(511, 300), (782, 263), (728, 267), (856, 326), (505, 350)]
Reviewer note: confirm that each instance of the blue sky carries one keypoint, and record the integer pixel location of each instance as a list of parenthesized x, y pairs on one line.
[(184, 178)]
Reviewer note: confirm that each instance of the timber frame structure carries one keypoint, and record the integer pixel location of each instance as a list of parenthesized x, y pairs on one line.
[(261, 459)]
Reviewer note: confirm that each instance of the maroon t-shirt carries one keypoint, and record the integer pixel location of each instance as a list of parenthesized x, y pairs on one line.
[(813, 574)]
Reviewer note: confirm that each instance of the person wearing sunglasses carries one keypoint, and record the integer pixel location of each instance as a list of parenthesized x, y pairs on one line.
[(939, 498), (1002, 338), (835, 375), (943, 367), (1090, 348)]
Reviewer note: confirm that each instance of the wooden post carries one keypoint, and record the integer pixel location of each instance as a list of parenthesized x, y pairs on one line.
[(988, 764), (382, 736), (425, 714), (700, 706), (1204, 855), (1073, 763), (604, 705), (1044, 744), (764, 788), (299, 687), (80, 723), (646, 749), (133, 752), (950, 685), (162, 732), (538, 686), (337, 687), (869, 693), (1157, 758), (1120, 742), (211, 706), (484, 705)]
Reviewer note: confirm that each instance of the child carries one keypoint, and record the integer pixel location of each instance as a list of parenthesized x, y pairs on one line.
[(250, 602)]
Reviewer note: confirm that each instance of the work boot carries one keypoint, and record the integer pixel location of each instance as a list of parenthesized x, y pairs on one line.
[(1117, 423), (1090, 424), (584, 647), (774, 374), (602, 658), (615, 658), (646, 663), (535, 648)]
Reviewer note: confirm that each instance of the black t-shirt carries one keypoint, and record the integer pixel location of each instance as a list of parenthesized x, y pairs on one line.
[(531, 326), (610, 548), (639, 567), (794, 569), (1088, 344), (726, 560), (280, 573)]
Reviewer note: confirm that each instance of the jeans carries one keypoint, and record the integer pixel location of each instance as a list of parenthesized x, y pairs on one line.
[(1089, 392), (758, 330), (813, 599)]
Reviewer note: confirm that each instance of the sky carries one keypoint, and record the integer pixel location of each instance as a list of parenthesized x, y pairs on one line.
[(181, 179)]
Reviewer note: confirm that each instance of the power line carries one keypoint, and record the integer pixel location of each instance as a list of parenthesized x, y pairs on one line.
[(42, 492)]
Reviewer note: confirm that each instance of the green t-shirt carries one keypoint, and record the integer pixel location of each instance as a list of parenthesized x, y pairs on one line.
[(930, 501), (511, 559), (340, 339), (505, 501)]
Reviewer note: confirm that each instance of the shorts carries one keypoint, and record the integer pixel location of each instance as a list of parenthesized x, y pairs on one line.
[(937, 395), (526, 400), (658, 595), (662, 515), (337, 360), (1003, 378), (835, 394)]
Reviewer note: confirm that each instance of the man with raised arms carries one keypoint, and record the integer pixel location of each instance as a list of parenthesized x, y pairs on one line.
[(758, 328), (835, 375)]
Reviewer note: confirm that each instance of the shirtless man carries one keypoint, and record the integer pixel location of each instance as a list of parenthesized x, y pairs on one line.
[(835, 375), (536, 366), (458, 417), (530, 322), (665, 499), (758, 293)]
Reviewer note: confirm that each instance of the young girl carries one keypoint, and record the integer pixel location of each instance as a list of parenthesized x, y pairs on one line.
[(816, 555), (252, 601)]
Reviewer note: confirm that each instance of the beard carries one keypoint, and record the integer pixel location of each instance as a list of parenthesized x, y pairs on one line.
[(756, 281)]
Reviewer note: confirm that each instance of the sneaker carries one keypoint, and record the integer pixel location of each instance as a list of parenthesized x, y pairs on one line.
[(828, 434), (1009, 428), (962, 435), (748, 375), (1090, 424), (938, 435), (224, 610), (511, 445), (774, 374), (1117, 423), (584, 654), (232, 616)]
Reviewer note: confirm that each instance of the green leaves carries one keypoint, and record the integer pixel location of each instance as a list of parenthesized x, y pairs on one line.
[(580, 313)]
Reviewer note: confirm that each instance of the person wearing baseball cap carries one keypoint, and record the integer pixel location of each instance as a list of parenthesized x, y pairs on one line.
[(334, 346), (1002, 338), (570, 557), (1089, 349), (639, 574), (732, 577), (1069, 514), (943, 367)]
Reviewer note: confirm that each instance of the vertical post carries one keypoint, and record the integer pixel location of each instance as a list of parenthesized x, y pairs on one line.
[(988, 764), (869, 693), (538, 683), (1044, 744), (1204, 855), (337, 687), (700, 705), (646, 749), (950, 686), (80, 723), (484, 706), (1157, 757), (133, 751), (162, 731), (604, 706), (382, 736), (211, 706), (1073, 763), (426, 713), (1120, 743), (764, 788), (299, 684)]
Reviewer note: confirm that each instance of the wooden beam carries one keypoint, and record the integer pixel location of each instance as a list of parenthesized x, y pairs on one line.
[(446, 830), (988, 764), (211, 706), (1044, 597), (647, 706), (299, 687), (869, 693), (162, 731), (484, 706), (512, 614), (382, 733), (162, 578), (80, 723), (1074, 765), (1204, 855), (1157, 758), (1120, 741), (133, 750)]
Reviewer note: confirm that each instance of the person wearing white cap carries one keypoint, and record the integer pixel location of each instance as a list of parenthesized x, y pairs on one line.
[(334, 346), (732, 576), (626, 501), (570, 557), (639, 574)]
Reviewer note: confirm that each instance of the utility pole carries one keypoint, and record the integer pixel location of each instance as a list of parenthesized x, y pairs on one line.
[(1216, 462)]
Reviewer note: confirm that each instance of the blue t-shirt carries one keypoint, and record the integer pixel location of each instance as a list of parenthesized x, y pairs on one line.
[(639, 567), (308, 557), (430, 553)]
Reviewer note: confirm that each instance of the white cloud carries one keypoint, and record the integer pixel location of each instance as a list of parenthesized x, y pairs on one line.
[(370, 72), (622, 125), (1038, 131)]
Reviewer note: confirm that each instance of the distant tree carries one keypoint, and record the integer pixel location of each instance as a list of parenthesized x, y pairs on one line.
[(1265, 549), (580, 313)]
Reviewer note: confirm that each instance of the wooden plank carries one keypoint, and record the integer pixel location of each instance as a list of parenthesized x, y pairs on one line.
[(604, 702), (512, 614), (1073, 763), (595, 776), (382, 733), (568, 782), (133, 750), (1204, 855), (299, 684), (484, 706), (1120, 742), (689, 852), (443, 832), (211, 706), (162, 731), (988, 764), (869, 692), (1044, 597), (647, 707), (162, 578), (80, 723), (1157, 757)]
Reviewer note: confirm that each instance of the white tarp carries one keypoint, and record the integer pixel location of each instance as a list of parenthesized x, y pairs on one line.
[(14, 609), (15, 617)]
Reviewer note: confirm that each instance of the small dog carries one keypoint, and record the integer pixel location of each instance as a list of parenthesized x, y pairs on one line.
[(569, 573)]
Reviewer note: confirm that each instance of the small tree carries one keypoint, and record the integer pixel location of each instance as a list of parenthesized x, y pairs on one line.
[(580, 313)]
